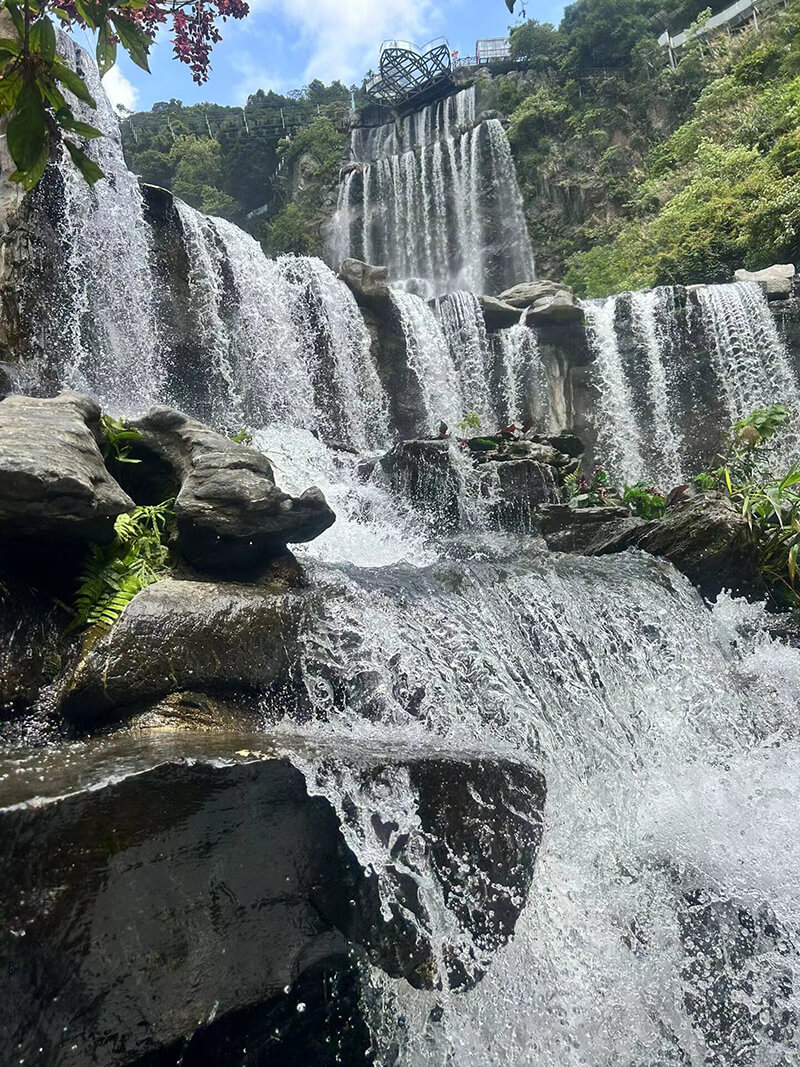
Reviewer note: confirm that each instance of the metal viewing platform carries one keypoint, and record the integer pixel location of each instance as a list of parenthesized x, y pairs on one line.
[(407, 73), (738, 14)]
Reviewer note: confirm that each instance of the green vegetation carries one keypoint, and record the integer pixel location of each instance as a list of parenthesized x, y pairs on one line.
[(115, 573), (636, 174), (117, 440), (770, 502), (279, 152)]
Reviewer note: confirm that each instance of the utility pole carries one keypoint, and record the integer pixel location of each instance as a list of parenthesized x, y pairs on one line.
[(244, 116)]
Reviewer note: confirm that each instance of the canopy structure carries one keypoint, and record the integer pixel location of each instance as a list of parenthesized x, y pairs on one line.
[(407, 73)]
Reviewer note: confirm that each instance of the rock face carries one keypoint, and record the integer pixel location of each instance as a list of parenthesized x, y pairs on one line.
[(776, 281), (705, 537), (518, 488), (157, 887), (31, 645), (220, 637), (231, 516), (425, 472), (53, 481)]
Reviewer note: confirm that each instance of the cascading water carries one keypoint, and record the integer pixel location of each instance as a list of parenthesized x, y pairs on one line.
[(435, 198), (524, 389), (670, 379), (107, 264), (662, 926)]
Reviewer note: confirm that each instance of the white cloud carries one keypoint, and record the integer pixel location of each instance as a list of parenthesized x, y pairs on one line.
[(251, 77), (344, 35), (120, 91)]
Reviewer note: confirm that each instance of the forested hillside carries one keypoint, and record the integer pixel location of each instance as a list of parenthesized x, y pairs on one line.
[(230, 161), (638, 174)]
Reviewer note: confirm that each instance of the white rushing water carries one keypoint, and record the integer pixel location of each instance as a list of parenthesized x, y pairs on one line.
[(435, 197), (670, 381)]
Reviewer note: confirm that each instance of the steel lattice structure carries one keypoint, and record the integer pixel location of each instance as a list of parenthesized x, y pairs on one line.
[(407, 73)]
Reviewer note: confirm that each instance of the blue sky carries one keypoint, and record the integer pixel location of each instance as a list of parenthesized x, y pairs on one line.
[(284, 44)]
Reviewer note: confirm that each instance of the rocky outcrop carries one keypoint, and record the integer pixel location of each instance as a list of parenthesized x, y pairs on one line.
[(427, 474), (546, 301), (706, 537), (232, 518), (369, 284), (159, 886), (220, 637), (53, 480), (777, 281), (497, 313), (31, 645)]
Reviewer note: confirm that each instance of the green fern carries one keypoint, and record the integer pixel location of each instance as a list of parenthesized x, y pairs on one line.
[(113, 574)]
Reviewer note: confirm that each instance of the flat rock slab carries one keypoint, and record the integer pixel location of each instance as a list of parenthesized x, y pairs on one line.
[(232, 518), (777, 280), (174, 635), (53, 481)]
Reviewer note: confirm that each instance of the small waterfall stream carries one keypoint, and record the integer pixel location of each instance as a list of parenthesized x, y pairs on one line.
[(670, 380), (435, 197)]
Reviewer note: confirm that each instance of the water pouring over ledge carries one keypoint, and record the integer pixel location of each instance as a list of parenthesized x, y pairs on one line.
[(661, 924)]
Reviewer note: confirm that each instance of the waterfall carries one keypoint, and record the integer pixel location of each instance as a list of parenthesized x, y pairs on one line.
[(285, 338), (114, 354), (752, 364), (524, 390), (465, 330), (429, 357), (435, 197), (670, 382)]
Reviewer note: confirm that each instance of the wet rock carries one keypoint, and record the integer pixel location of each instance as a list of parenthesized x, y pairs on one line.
[(31, 645), (223, 637), (775, 281), (426, 473), (231, 517), (518, 488), (154, 888), (53, 481), (367, 282), (567, 443), (587, 531), (706, 537)]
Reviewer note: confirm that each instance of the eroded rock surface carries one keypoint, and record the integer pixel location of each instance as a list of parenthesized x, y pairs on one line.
[(775, 281), (53, 481), (153, 888), (231, 516), (223, 637)]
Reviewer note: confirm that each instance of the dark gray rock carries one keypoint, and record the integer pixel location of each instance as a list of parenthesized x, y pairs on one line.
[(497, 313), (31, 645), (426, 474), (231, 517), (222, 637), (587, 531), (706, 537), (546, 301), (518, 488), (152, 884), (53, 481)]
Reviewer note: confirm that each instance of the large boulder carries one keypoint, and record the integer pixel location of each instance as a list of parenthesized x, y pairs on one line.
[(776, 281), (706, 537), (497, 313), (219, 636), (232, 518), (517, 489), (368, 283), (159, 886), (53, 481)]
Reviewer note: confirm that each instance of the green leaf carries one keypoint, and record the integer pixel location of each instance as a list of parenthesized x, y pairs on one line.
[(134, 40), (7, 44), (88, 168), (75, 84), (43, 39), (26, 135), (66, 121), (89, 13), (52, 94), (31, 177), (16, 18), (106, 51)]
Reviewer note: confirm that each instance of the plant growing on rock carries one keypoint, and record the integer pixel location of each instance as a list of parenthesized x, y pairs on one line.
[(589, 492), (118, 439), (115, 573), (33, 79), (770, 502), (645, 501)]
